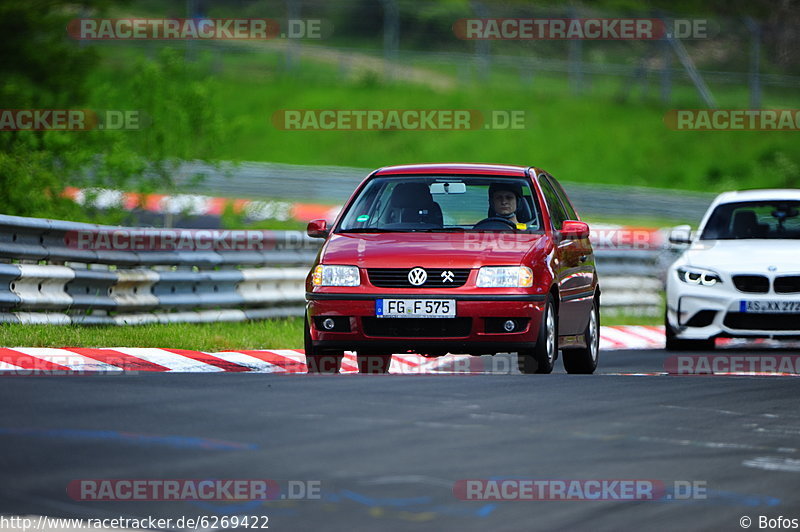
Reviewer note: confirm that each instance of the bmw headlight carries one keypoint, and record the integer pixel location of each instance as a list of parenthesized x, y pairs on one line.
[(698, 276), (505, 276), (327, 275)]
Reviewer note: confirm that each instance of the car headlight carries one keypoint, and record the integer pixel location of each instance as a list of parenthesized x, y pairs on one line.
[(326, 275), (698, 276), (505, 276)]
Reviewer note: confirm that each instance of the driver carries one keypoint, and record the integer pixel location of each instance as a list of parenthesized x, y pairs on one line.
[(503, 200)]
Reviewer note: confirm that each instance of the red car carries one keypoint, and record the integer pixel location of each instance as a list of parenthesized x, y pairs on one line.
[(454, 258)]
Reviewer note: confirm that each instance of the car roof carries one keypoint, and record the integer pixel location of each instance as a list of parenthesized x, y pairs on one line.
[(774, 194), (455, 168)]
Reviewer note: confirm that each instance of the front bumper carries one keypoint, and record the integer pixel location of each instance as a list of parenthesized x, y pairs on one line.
[(475, 329), (695, 317)]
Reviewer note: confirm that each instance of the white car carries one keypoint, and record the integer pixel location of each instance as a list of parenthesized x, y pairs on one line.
[(740, 275)]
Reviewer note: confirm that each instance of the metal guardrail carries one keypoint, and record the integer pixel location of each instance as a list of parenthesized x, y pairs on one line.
[(46, 278), (632, 280)]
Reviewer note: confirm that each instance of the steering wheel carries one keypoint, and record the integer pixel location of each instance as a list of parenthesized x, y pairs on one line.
[(494, 220)]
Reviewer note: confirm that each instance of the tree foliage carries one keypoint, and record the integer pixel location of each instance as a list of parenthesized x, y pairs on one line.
[(42, 68)]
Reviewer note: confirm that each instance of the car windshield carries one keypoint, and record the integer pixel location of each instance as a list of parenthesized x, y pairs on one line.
[(442, 203), (757, 219)]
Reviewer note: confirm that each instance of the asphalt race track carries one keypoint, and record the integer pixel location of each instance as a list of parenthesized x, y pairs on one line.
[(387, 450)]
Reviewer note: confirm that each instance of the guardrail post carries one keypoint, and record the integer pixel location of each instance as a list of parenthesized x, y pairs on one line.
[(8, 274), (292, 12), (575, 60), (391, 36), (666, 71), (483, 47), (755, 62)]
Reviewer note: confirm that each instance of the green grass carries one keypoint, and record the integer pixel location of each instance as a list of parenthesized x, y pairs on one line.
[(611, 318), (593, 138), (577, 140), (271, 334), (632, 316)]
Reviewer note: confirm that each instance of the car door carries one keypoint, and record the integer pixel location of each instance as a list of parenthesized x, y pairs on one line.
[(575, 263), (587, 277)]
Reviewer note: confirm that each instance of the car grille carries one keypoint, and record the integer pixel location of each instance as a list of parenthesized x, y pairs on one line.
[(787, 285), (762, 322), (398, 277), (754, 284), (417, 327)]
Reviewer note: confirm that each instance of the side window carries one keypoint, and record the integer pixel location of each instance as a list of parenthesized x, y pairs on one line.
[(557, 213), (568, 209)]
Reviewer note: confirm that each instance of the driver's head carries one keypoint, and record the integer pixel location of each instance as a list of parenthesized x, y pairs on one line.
[(503, 198)]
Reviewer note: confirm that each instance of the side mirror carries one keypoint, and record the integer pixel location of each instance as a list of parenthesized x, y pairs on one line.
[(681, 234), (574, 229), (317, 229)]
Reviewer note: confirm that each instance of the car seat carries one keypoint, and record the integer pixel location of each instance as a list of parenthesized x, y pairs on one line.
[(413, 203), (745, 224)]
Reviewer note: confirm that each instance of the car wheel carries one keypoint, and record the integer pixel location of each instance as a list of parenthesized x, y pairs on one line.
[(373, 362), (542, 357), (584, 360), (319, 361), (676, 344)]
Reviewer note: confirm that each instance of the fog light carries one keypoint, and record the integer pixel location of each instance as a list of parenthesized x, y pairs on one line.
[(328, 324), (509, 325)]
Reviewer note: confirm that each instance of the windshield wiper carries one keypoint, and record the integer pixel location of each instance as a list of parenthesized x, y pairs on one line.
[(439, 230)]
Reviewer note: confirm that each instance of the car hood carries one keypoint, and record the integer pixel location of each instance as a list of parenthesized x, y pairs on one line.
[(445, 250), (751, 255)]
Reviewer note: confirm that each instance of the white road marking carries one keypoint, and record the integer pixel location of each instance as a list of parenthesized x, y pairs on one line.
[(771, 463)]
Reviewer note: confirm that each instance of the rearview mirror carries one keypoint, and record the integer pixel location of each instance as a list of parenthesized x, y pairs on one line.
[(456, 187), (317, 229), (574, 229), (681, 234)]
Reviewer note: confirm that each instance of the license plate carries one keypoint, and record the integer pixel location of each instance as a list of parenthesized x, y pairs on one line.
[(777, 307), (415, 308)]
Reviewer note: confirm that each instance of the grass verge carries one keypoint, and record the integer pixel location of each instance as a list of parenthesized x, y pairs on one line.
[(622, 318), (595, 138), (211, 337), (270, 334)]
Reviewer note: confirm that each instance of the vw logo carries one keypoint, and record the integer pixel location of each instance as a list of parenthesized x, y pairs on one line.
[(417, 276)]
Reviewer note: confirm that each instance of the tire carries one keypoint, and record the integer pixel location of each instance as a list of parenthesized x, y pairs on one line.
[(373, 362), (542, 357), (676, 344), (319, 361), (584, 359)]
